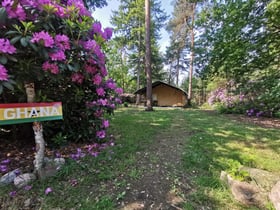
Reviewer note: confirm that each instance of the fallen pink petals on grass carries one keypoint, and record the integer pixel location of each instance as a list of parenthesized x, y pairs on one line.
[(48, 190)]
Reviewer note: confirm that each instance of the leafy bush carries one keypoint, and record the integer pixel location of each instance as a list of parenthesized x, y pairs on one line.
[(58, 46), (258, 97)]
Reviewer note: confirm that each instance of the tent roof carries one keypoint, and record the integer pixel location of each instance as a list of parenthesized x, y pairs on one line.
[(155, 84)]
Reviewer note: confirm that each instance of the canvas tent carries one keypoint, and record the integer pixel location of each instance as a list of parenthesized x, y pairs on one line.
[(164, 94)]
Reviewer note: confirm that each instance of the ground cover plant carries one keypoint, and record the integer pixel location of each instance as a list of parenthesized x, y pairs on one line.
[(175, 150)]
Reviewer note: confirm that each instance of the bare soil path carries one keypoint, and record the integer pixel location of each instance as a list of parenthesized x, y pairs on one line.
[(162, 183)]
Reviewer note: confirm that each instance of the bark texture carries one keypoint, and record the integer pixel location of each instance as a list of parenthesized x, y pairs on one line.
[(38, 134)]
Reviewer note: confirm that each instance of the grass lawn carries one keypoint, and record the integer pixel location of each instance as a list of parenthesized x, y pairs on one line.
[(213, 143)]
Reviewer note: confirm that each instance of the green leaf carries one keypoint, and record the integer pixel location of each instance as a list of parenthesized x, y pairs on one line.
[(70, 67), (34, 47), (12, 58), (8, 85), (15, 39), (3, 59), (1, 89), (23, 42), (3, 16), (11, 33)]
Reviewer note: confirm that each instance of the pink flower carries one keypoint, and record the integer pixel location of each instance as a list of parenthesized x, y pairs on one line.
[(79, 5), (97, 27), (3, 168), (97, 79), (6, 47), (3, 73), (78, 78), (102, 102), (13, 193), (107, 34), (43, 38), (119, 90), (101, 134), (30, 3), (90, 45), (98, 113), (73, 182), (28, 187), (57, 56), (94, 154), (90, 69), (111, 84), (52, 67), (14, 10), (48, 190), (62, 41), (103, 71), (106, 123), (60, 11), (100, 91)]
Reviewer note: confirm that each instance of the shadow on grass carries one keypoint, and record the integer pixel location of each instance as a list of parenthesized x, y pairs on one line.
[(220, 144)]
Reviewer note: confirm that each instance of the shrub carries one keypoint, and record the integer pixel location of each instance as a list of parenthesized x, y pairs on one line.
[(58, 46)]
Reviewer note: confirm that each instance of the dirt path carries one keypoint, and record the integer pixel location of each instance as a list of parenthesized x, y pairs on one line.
[(162, 183)]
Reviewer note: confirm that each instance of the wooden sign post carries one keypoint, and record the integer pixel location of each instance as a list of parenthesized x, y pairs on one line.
[(32, 112), (29, 112)]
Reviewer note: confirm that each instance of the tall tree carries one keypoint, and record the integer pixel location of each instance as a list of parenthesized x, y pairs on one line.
[(148, 55), (129, 22), (182, 28)]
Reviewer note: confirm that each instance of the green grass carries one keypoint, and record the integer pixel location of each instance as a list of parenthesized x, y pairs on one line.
[(214, 143), (219, 144)]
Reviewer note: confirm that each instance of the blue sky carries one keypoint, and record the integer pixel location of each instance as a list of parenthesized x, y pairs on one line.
[(104, 14)]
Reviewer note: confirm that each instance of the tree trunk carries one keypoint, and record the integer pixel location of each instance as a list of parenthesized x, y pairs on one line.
[(138, 67), (148, 55), (177, 68), (38, 133), (192, 56)]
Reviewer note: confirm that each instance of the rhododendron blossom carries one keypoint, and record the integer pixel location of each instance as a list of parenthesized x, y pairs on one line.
[(107, 34), (101, 134), (78, 78), (62, 42), (57, 56), (97, 28), (119, 90), (105, 123), (14, 10), (43, 38), (52, 67), (111, 84), (100, 91), (97, 79), (3, 73), (90, 69), (6, 47)]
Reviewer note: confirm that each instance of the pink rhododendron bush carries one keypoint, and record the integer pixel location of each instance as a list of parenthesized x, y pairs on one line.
[(58, 46)]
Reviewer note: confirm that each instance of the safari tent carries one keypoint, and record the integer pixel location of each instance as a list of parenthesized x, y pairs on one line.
[(164, 94)]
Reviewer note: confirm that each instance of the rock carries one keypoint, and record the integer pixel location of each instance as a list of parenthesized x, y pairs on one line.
[(265, 180), (59, 162), (23, 180), (244, 192), (274, 195), (51, 167), (27, 203), (9, 177)]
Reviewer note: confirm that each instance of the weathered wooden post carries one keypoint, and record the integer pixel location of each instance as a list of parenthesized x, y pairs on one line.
[(38, 134)]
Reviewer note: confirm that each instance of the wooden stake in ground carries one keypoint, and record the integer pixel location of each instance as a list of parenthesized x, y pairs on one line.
[(38, 133)]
